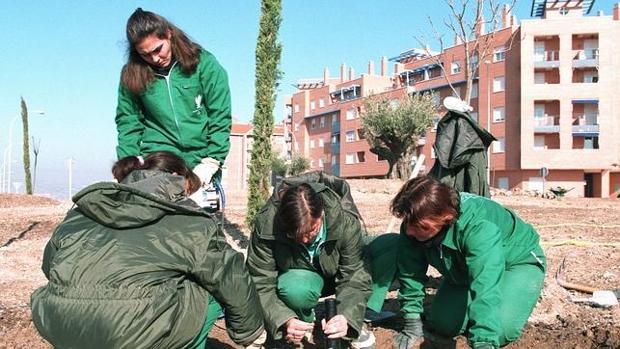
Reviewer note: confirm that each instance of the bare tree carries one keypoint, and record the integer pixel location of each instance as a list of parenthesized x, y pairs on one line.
[(36, 147), (467, 21)]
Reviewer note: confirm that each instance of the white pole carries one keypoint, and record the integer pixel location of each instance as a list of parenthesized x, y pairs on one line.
[(9, 159), (488, 63)]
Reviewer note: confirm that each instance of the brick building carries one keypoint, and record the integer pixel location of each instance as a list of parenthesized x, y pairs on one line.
[(538, 91)]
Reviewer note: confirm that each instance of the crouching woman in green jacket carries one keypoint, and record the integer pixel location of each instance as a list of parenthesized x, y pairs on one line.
[(492, 265), (137, 264), (307, 242)]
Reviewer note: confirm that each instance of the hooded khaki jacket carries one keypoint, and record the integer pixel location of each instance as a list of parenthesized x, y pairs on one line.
[(271, 252), (132, 266), (189, 115)]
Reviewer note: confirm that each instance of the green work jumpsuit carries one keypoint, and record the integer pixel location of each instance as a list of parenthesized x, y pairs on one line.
[(493, 270)]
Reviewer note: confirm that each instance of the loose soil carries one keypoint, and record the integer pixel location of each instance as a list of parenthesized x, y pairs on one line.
[(26, 224)]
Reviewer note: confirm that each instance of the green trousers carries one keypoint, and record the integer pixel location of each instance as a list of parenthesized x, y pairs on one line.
[(520, 286), (213, 312), (300, 289)]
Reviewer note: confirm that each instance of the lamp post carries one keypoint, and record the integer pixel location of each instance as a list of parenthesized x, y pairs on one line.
[(6, 184), (488, 64)]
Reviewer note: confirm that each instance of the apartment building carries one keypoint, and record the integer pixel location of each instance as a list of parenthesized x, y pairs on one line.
[(235, 172), (570, 104), (545, 90)]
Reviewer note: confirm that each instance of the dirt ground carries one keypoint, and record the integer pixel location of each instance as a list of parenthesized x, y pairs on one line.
[(589, 228)]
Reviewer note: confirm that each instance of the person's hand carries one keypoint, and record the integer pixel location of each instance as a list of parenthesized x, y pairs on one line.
[(483, 346), (206, 169), (412, 330), (296, 329), (336, 327), (258, 342)]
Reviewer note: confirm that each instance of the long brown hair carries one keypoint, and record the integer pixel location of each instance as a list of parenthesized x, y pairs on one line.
[(164, 161), (137, 73), (424, 197)]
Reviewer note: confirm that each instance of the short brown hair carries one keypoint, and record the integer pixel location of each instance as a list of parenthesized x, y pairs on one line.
[(424, 197)]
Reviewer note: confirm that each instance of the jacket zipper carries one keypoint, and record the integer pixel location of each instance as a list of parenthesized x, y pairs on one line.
[(174, 113), (440, 248)]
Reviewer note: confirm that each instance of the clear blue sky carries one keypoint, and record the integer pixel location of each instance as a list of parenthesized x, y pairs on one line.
[(64, 57)]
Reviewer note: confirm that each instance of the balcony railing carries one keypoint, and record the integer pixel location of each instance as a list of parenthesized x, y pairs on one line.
[(586, 124), (335, 148), (335, 127), (547, 124), (586, 58), (336, 170), (547, 59)]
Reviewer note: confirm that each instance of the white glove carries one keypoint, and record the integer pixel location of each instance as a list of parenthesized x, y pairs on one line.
[(258, 342), (206, 169)]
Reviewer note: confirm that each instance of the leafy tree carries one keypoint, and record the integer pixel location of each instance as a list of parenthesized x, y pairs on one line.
[(392, 128), (26, 148), (299, 164), (279, 167), (268, 51)]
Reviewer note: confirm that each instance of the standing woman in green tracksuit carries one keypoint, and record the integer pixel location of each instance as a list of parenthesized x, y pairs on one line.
[(173, 96), (492, 265)]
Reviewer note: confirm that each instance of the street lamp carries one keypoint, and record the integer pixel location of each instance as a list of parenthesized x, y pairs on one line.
[(488, 63), (7, 165)]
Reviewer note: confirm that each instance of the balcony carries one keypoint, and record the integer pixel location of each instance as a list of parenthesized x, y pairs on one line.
[(336, 170), (586, 125), (546, 124), (547, 59), (586, 58)]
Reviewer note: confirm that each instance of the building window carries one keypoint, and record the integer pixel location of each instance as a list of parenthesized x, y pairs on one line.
[(321, 143), (334, 160), (321, 163), (436, 98), (498, 114), (312, 105), (350, 136), (539, 142), (499, 84), (433, 155), (474, 90), (312, 124), (351, 113), (321, 102), (296, 108), (499, 54), (361, 156), (502, 183), (322, 122), (435, 122), (350, 159), (474, 116), (499, 146), (455, 68), (380, 158), (590, 143), (311, 143), (335, 139), (311, 163), (360, 134)]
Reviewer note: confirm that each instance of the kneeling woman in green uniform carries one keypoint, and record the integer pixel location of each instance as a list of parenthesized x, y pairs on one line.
[(137, 264), (492, 265)]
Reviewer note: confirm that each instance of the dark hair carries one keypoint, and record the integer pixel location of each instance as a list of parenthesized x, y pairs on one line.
[(424, 197), (300, 205), (137, 73), (164, 161)]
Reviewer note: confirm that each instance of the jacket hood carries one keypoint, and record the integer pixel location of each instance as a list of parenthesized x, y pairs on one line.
[(458, 137), (142, 198)]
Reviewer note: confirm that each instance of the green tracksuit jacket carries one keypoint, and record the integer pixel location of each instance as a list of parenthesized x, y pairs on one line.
[(486, 240), (132, 266), (187, 115), (271, 252)]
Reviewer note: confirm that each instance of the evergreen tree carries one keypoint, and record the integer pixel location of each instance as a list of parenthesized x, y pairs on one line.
[(268, 51), (26, 148)]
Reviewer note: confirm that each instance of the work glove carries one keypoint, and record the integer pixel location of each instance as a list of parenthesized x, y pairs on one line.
[(412, 330), (483, 346), (259, 342), (206, 169)]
